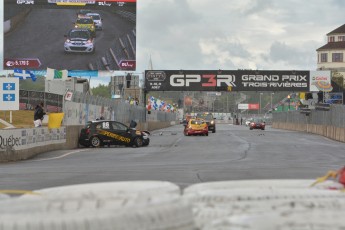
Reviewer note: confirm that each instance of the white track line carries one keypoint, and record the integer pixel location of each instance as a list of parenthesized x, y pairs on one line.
[(59, 157)]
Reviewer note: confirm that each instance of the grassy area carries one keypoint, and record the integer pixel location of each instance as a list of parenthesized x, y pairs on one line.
[(20, 118)]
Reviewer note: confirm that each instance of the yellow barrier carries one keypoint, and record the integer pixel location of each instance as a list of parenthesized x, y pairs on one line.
[(55, 120)]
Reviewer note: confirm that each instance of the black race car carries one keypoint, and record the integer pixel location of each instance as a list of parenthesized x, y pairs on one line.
[(210, 120), (106, 132)]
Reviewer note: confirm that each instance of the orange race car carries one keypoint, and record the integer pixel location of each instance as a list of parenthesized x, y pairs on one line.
[(196, 127)]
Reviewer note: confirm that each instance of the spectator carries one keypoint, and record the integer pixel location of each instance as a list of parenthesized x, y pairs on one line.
[(39, 114)]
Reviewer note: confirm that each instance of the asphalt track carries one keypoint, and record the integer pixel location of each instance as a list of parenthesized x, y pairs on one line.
[(232, 153)]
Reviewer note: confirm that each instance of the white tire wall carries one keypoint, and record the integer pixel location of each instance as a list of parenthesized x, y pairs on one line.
[(217, 205), (102, 206)]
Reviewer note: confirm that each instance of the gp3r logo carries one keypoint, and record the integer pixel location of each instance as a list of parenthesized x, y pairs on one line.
[(206, 80)]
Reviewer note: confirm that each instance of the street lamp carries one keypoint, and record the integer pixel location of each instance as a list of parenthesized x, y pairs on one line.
[(260, 103), (289, 100), (271, 103)]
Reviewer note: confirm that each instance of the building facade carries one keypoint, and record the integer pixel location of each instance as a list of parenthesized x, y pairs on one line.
[(331, 56)]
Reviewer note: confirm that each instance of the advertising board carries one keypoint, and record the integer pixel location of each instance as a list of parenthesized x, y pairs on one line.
[(227, 80)]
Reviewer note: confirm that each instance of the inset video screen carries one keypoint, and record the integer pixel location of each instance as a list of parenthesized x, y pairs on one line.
[(70, 34)]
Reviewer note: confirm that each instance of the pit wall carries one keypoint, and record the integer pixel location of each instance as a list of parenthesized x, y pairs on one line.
[(23, 144)]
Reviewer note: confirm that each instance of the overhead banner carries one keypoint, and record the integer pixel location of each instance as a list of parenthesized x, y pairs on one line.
[(227, 80)]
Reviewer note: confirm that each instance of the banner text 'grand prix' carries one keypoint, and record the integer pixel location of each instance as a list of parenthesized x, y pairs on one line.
[(227, 80)]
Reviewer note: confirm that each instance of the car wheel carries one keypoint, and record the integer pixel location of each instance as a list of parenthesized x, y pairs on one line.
[(95, 142), (213, 131), (138, 142)]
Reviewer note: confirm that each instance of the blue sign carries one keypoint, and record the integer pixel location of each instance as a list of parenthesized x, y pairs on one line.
[(8, 86), (82, 73), (9, 97)]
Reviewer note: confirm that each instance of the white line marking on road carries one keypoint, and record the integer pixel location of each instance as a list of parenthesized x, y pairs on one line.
[(62, 156)]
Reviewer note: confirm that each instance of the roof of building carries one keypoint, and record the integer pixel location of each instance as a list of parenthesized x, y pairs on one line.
[(339, 30), (332, 46)]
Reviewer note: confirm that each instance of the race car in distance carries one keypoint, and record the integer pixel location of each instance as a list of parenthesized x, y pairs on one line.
[(196, 127), (107, 132), (210, 120), (83, 12), (257, 123), (86, 23), (79, 40), (97, 20)]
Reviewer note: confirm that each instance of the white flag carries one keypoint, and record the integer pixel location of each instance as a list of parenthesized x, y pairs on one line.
[(53, 74)]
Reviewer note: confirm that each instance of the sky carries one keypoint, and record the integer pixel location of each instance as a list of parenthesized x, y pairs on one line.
[(231, 34)]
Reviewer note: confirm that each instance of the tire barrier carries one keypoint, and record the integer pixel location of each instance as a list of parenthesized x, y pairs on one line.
[(119, 205), (233, 205), (159, 205)]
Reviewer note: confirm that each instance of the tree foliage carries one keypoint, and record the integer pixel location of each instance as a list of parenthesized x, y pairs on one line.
[(28, 84), (102, 91)]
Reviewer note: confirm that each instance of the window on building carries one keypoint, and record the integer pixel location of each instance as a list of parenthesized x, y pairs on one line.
[(331, 39), (341, 38), (337, 57), (324, 57)]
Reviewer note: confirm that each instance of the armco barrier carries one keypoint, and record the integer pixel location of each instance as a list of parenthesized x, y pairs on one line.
[(22, 144)]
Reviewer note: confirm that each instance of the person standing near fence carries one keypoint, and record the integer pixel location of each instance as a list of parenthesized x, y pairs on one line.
[(39, 115)]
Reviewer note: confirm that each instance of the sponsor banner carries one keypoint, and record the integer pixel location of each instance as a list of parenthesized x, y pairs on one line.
[(82, 73), (320, 81), (248, 106), (243, 106), (227, 80), (253, 106), (19, 139)]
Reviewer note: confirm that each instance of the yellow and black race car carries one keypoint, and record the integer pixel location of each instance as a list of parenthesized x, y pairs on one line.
[(106, 132)]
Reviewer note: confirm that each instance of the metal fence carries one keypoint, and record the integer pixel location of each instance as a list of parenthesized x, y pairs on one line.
[(334, 117), (83, 107), (29, 99)]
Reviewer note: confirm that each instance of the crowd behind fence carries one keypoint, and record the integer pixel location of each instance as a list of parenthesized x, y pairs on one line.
[(81, 108), (334, 117)]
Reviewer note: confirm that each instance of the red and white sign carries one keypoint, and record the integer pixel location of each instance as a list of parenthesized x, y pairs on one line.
[(68, 96), (22, 63), (249, 106), (127, 65)]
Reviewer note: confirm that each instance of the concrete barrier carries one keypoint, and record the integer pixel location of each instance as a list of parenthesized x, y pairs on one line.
[(332, 132), (9, 153)]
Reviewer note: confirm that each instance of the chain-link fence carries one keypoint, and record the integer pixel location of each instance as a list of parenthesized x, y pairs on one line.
[(29, 99), (83, 107)]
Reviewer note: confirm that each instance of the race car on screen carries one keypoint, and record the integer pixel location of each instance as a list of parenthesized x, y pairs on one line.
[(79, 41)]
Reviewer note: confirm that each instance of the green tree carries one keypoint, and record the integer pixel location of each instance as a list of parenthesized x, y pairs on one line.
[(102, 91), (28, 84)]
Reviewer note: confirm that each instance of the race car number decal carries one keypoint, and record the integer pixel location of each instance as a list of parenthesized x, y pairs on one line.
[(115, 136)]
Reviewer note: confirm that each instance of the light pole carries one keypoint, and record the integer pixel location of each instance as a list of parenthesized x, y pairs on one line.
[(260, 103), (271, 103), (289, 100)]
